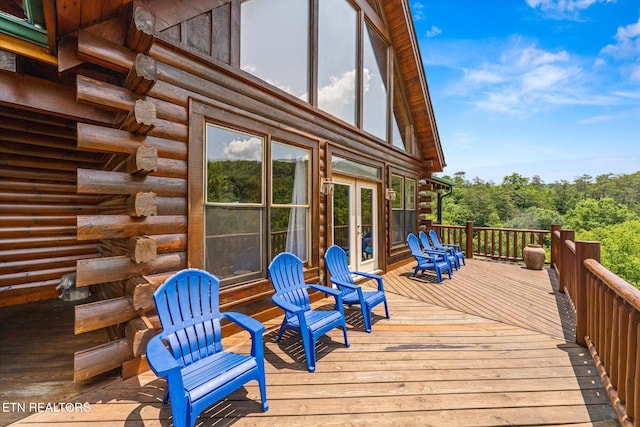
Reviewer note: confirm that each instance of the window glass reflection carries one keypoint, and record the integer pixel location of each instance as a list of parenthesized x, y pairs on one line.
[(374, 81), (337, 39), (290, 200), (274, 43), (234, 166)]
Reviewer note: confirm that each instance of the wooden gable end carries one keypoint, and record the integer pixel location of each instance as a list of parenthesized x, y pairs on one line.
[(410, 64)]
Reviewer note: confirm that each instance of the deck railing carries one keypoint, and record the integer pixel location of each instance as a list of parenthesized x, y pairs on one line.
[(607, 312), (503, 244), (607, 308)]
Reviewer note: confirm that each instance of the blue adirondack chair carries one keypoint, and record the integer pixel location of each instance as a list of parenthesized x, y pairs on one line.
[(447, 254), (198, 370), (338, 266), (457, 250), (426, 260), (287, 278)]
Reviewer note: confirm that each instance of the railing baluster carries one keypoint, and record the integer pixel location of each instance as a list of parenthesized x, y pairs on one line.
[(623, 320), (614, 349)]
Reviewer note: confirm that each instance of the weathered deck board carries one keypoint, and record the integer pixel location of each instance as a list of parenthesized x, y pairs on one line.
[(433, 363)]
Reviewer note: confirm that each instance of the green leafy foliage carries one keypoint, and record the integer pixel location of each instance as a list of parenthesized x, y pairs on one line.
[(619, 248)]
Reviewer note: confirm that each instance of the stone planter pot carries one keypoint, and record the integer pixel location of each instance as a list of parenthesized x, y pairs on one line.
[(534, 256)]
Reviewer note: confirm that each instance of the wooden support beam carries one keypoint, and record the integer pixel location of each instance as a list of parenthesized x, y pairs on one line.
[(96, 360), (143, 161), (97, 50), (138, 333), (50, 98), (102, 182), (94, 271), (68, 53), (7, 61), (148, 205), (143, 75), (93, 227), (142, 31), (142, 204), (105, 139), (141, 119), (100, 314), (142, 249)]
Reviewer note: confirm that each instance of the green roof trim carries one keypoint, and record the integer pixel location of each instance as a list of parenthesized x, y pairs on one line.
[(32, 29)]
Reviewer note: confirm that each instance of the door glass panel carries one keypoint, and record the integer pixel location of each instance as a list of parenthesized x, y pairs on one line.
[(342, 216), (366, 224)]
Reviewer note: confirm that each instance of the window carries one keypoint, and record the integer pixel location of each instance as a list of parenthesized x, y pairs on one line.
[(403, 209), (275, 45), (243, 233), (289, 200), (337, 59), (410, 219), (234, 208), (280, 57), (24, 19), (374, 84), (397, 211)]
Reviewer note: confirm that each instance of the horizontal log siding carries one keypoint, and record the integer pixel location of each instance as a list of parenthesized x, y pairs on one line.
[(38, 200)]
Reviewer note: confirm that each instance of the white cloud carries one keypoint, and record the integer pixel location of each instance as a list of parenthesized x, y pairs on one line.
[(244, 149), (560, 9), (523, 80), (433, 31), (627, 43), (417, 11), (338, 94)]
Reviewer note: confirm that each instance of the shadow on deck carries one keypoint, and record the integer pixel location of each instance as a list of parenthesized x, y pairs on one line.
[(492, 346)]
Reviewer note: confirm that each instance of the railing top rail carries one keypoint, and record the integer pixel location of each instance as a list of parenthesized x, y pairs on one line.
[(521, 230), (571, 245), (462, 227), (618, 285)]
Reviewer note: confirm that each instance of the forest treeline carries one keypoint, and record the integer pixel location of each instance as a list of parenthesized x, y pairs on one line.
[(605, 208)]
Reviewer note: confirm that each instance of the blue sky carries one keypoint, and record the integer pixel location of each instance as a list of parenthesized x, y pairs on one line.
[(538, 87)]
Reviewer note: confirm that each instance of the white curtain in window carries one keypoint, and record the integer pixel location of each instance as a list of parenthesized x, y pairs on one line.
[(296, 233)]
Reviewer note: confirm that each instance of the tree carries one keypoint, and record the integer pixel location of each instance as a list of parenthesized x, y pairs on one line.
[(590, 213), (620, 248)]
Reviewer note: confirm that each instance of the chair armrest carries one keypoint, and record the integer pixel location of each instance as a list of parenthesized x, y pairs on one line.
[(160, 358), (286, 305), (453, 246), (325, 289), (248, 323), (345, 284), (252, 326), (334, 292), (376, 277)]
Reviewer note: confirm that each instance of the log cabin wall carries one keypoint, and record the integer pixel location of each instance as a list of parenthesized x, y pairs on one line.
[(150, 79)]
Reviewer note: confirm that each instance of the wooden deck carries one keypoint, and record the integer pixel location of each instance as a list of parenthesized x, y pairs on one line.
[(486, 348)]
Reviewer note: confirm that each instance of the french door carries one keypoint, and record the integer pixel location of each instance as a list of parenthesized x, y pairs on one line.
[(355, 221)]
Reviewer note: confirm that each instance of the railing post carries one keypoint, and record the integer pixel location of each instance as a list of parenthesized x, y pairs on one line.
[(584, 250), (554, 247), (469, 233), (565, 258)]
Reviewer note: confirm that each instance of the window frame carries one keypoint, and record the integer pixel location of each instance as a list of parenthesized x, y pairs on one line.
[(202, 113)]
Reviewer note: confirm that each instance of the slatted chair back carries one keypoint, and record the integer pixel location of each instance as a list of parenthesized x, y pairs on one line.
[(189, 312), (424, 241), (337, 264), (287, 277), (414, 246)]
